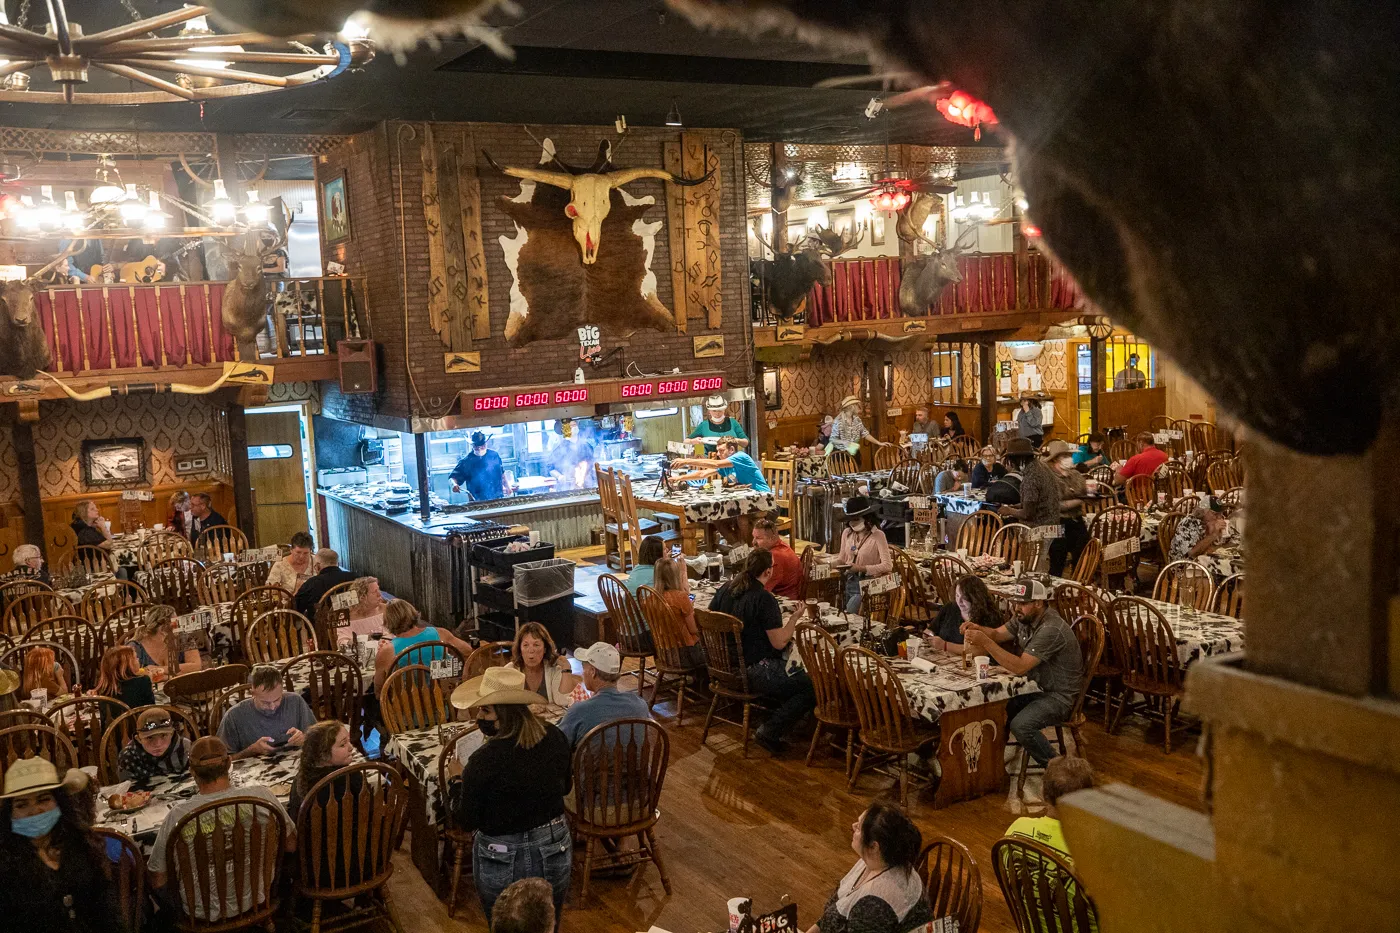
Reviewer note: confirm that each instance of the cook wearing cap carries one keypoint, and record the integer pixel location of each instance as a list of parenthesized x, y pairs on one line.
[(1049, 656), (848, 430), (481, 471), (210, 763), (864, 549), (719, 423), (602, 666), (153, 748)]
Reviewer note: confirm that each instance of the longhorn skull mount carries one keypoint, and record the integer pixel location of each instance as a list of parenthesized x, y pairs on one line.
[(590, 190)]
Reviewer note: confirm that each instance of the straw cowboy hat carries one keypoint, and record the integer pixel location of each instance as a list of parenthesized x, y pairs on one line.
[(35, 775), (849, 400), (498, 686), (9, 681)]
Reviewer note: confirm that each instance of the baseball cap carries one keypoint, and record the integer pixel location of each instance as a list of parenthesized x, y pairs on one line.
[(208, 750), (1029, 589), (601, 655), (154, 722)]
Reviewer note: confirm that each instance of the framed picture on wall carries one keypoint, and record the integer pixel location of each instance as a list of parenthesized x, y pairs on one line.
[(796, 232), (334, 210), (889, 380), (877, 228), (117, 461), (842, 219), (772, 390)]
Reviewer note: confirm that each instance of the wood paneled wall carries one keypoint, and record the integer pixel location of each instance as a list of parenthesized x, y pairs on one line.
[(1132, 407), (58, 511)]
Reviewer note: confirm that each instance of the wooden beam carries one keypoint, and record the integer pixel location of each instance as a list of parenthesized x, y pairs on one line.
[(777, 177), (702, 247), (469, 194), (987, 361), (760, 428), (459, 322), (22, 437), (1095, 380), (675, 234), (238, 459), (432, 220), (877, 393)]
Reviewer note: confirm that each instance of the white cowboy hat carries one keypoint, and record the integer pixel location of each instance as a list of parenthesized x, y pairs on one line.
[(499, 686), (34, 775), (850, 400)]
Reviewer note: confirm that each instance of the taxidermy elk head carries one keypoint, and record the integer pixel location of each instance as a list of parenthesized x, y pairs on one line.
[(590, 195), (244, 311), (785, 280), (24, 349), (924, 278)]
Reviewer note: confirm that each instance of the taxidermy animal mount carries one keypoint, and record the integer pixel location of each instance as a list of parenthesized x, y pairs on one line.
[(24, 349), (924, 278), (244, 313), (604, 276), (785, 280)]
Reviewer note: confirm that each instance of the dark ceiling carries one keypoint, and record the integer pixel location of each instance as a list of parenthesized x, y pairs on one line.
[(578, 61)]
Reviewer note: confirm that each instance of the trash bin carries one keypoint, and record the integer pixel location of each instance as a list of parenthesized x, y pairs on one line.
[(540, 581)]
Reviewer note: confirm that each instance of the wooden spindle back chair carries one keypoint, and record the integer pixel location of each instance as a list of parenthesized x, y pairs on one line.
[(24, 586), (1186, 505), (945, 573), (1041, 889), (1089, 632), (1166, 531), (23, 612), (638, 527), (952, 882), (487, 654), (22, 715), (1206, 438), (1111, 526), (1140, 490), (917, 607), (1086, 568), (13, 657), (458, 839), (102, 600), (84, 719), (1171, 479), (1184, 583), (1121, 450), (35, 740), (1103, 475), (965, 447), (1145, 645), (1014, 541), (333, 610), (722, 636), (977, 532), (1228, 598), (412, 699), (92, 559), (78, 635), (835, 709), (840, 463), (908, 473), (887, 722), (163, 545), (174, 582), (619, 771), (279, 635), (634, 639), (128, 877), (226, 853), (1073, 600), (672, 662), (257, 602), (123, 623), (213, 543), (886, 457), (217, 583), (614, 530), (827, 589), (224, 702), (198, 692), (778, 474)]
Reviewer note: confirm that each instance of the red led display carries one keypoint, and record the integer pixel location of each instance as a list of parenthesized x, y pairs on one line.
[(709, 385), (491, 402), (568, 396), (527, 399), (637, 389), (670, 388)]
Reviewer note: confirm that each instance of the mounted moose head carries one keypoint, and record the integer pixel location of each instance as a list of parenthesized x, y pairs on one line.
[(244, 311), (590, 194), (785, 280), (925, 278), (24, 349)]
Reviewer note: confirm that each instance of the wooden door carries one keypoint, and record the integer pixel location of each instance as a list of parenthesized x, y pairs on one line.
[(275, 468)]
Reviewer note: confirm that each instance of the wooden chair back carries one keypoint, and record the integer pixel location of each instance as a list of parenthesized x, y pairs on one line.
[(820, 654), (827, 589), (965, 447), (886, 457), (627, 508), (1186, 505), (977, 532), (102, 600), (778, 474), (21, 715), (1103, 475), (198, 692), (122, 623), (1121, 450), (1232, 499), (1073, 600), (840, 463), (487, 654), (666, 631), (629, 624), (90, 558), (721, 634), (13, 657), (163, 546), (1110, 526), (84, 719), (1143, 642), (35, 740), (256, 602), (1171, 479), (1040, 888), (1207, 438), (909, 474), (217, 583), (346, 841), (279, 635), (1184, 583), (327, 617), (1086, 568), (1089, 631), (1228, 598), (1013, 542), (607, 494), (253, 573), (175, 582), (882, 706), (946, 571), (1140, 490), (79, 636), (24, 612), (121, 729), (1222, 474), (222, 856), (412, 699), (1166, 530), (333, 687), (213, 543), (128, 876), (928, 477), (918, 603), (952, 882), (619, 770), (14, 589), (224, 702)]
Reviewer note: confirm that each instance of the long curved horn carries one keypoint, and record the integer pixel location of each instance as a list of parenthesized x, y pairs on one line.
[(626, 175), (182, 388), (90, 396), (557, 179)]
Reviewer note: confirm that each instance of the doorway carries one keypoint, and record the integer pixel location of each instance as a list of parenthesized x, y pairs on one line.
[(281, 468)]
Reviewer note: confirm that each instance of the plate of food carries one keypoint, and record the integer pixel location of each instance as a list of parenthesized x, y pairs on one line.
[(129, 802)]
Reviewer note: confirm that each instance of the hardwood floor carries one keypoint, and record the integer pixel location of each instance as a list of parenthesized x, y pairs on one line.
[(774, 829)]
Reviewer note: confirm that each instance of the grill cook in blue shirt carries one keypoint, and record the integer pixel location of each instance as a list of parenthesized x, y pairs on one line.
[(742, 468)]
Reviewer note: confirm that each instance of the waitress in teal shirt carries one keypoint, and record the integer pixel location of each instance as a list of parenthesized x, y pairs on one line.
[(733, 464), (718, 424)]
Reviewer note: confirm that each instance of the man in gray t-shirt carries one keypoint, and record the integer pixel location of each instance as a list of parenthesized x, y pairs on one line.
[(1049, 655), (269, 720)]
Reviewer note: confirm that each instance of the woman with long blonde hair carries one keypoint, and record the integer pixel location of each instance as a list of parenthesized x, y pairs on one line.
[(152, 645)]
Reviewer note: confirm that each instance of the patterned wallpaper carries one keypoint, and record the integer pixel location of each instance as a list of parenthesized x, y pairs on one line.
[(816, 386), (281, 393), (9, 467), (171, 425), (1050, 364)]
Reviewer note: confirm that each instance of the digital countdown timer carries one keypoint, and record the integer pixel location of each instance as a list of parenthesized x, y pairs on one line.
[(595, 393)]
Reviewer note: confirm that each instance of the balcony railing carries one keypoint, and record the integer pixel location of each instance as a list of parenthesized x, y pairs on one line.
[(122, 326), (868, 289)]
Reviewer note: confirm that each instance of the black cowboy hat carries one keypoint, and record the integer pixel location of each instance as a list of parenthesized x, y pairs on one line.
[(857, 506)]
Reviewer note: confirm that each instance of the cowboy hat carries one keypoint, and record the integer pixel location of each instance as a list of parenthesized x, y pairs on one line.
[(857, 506), (35, 775), (849, 400), (716, 401), (9, 681), (1057, 449), (497, 687), (1019, 445)]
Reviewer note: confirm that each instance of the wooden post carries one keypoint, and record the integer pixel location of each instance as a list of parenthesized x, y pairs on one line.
[(777, 177), (1020, 251), (22, 436), (238, 458), (758, 449), (988, 389), (877, 400), (1095, 379), (420, 451)]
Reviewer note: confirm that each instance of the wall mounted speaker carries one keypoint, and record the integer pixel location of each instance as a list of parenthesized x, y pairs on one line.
[(359, 372)]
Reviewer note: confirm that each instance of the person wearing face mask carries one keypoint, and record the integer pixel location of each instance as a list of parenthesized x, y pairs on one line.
[(863, 549), (512, 790), (717, 424), (53, 866)]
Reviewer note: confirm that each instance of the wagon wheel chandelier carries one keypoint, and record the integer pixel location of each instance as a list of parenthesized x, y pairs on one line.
[(191, 64)]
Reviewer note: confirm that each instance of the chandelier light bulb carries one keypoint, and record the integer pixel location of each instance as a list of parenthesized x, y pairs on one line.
[(221, 208), (132, 208), (155, 218), (256, 212)]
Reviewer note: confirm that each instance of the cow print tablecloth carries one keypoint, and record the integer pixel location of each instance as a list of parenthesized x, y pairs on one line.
[(959, 503), (948, 687), (701, 506)]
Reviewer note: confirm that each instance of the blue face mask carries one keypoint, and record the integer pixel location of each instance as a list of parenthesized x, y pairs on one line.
[(32, 827)]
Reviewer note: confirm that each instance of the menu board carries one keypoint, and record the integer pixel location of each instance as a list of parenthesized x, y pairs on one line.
[(601, 392)]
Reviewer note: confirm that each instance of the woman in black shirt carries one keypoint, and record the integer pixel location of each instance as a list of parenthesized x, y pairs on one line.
[(883, 892), (89, 527), (972, 602), (512, 791), (764, 638)]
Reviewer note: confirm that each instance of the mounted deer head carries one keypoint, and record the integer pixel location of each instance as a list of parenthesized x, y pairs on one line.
[(925, 278), (244, 311), (590, 195), (831, 243)]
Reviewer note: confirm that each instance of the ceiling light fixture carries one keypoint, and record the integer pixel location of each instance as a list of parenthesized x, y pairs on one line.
[(674, 117)]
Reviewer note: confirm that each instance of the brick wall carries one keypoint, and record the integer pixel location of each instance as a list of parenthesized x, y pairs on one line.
[(373, 167)]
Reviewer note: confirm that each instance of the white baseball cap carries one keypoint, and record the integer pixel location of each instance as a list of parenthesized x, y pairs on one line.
[(1029, 589), (601, 655)]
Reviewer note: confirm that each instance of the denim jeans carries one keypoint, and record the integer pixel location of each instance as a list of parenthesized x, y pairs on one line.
[(770, 678), (544, 852), (853, 591), (1029, 713)]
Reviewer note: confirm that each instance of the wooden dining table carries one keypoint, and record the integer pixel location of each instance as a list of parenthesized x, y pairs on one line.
[(698, 507)]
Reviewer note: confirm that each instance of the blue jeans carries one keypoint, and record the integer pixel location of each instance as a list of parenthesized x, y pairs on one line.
[(1028, 714), (544, 852), (853, 591), (770, 678)]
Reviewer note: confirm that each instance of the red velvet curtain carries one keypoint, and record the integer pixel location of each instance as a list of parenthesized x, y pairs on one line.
[(137, 325)]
